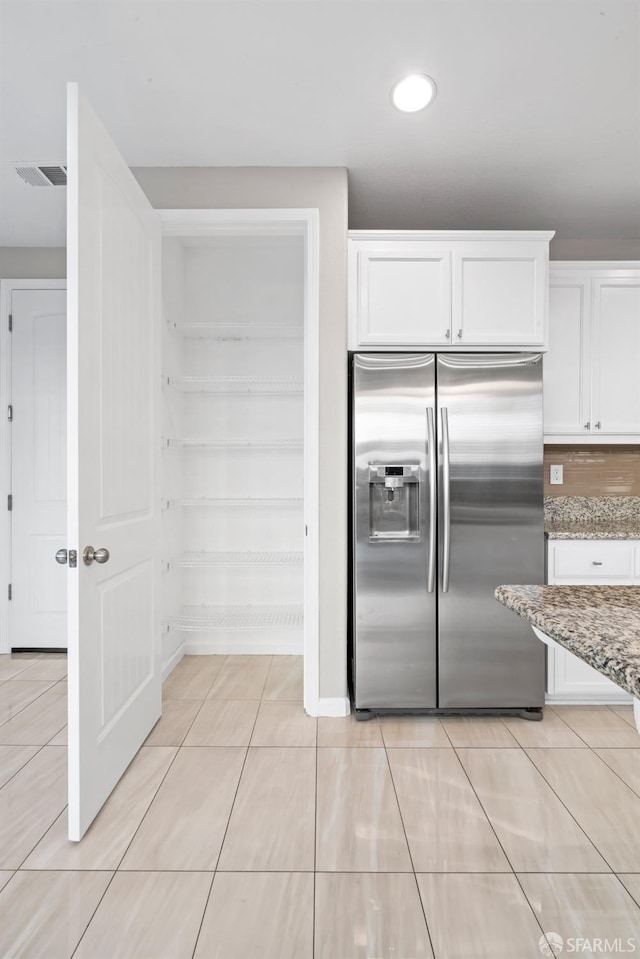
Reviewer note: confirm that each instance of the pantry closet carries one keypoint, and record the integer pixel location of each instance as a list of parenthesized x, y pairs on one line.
[(233, 432)]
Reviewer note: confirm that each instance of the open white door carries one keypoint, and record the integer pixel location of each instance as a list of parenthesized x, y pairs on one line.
[(113, 242)]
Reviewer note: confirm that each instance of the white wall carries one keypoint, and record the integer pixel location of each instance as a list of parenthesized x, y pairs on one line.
[(324, 189)]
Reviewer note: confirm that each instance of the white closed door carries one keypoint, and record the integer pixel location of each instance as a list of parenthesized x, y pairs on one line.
[(113, 238), (38, 608)]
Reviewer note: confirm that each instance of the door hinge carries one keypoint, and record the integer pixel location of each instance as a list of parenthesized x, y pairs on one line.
[(10, 501), (9, 591), (10, 413), (10, 323)]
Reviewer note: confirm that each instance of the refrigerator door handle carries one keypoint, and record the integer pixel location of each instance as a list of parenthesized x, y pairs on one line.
[(431, 441), (446, 501)]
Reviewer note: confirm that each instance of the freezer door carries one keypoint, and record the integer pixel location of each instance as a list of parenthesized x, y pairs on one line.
[(491, 527), (394, 535)]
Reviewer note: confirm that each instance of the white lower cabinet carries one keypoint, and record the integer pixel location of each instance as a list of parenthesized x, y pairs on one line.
[(581, 563)]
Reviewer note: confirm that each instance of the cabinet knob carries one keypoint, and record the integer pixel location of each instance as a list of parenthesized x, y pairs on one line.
[(447, 334), (459, 334), (597, 426), (587, 425)]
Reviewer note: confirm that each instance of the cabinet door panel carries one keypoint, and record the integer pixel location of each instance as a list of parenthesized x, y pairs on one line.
[(616, 356), (404, 297), (499, 296), (565, 377)]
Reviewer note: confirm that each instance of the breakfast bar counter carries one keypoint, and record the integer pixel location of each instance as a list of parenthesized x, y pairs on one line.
[(598, 624)]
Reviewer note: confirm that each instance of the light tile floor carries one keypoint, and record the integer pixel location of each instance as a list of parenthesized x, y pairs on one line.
[(243, 829)]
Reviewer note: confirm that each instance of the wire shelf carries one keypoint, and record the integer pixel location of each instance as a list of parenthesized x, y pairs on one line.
[(250, 502), (239, 331), (263, 444), (259, 385), (236, 618), (203, 559)]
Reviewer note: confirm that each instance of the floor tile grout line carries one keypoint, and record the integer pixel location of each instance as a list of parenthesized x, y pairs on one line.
[(48, 829), (614, 771), (236, 699), (26, 763), (535, 915), (19, 671), (629, 722), (569, 726), (92, 916), (151, 802), (581, 736), (213, 681), (55, 818), (204, 912), (235, 794), (198, 711), (355, 872), (406, 839), (481, 804), (634, 898), (26, 705), (504, 851), (539, 771)]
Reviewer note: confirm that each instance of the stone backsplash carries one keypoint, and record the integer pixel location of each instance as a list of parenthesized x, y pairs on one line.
[(594, 470)]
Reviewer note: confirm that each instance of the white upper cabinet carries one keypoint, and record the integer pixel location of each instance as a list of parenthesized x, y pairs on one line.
[(500, 294), (404, 292), (591, 383), (616, 356), (566, 385), (433, 290)]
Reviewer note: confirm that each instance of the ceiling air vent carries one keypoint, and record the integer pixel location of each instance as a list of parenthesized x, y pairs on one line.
[(47, 175)]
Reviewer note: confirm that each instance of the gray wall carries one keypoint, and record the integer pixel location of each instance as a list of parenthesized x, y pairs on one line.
[(33, 262), (324, 189), (594, 248)]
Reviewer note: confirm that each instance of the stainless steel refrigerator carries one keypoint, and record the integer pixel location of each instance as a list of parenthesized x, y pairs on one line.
[(447, 504)]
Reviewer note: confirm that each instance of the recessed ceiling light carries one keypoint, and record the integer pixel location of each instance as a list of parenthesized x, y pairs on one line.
[(413, 93)]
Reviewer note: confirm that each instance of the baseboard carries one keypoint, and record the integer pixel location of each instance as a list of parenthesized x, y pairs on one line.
[(624, 699), (327, 706), (173, 661), (243, 647)]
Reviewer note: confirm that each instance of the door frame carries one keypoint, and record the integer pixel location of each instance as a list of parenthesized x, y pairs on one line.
[(7, 287), (274, 222)]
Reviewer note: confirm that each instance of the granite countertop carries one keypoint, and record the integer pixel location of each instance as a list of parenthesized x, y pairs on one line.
[(599, 624), (592, 517)]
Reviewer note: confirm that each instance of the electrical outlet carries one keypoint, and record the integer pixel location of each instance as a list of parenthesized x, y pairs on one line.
[(555, 475)]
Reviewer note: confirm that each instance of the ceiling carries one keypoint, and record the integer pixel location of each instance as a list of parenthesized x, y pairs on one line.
[(536, 123)]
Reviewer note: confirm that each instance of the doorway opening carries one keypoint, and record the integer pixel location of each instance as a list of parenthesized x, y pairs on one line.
[(240, 435), (238, 542), (33, 465)]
